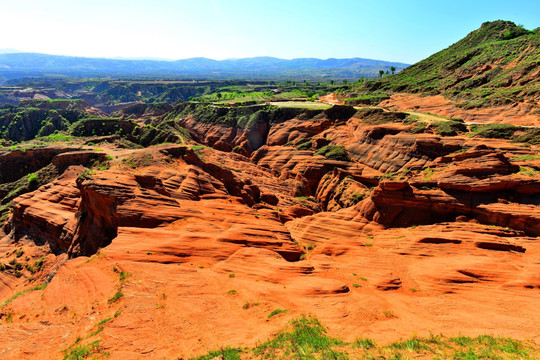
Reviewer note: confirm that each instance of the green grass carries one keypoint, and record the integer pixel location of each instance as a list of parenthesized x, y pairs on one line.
[(306, 338), (530, 136), (528, 171), (334, 152), (428, 173), (413, 344), (122, 276), (32, 178), (448, 128), (58, 137), (310, 105), (277, 312), (495, 131), (91, 350), (119, 295), (16, 295), (304, 145), (4, 212), (528, 157), (228, 353), (514, 54), (364, 343)]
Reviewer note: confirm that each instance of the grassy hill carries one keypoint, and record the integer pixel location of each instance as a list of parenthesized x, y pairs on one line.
[(497, 64)]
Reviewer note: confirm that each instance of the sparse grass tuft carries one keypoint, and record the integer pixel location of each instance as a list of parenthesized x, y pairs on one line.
[(227, 353), (91, 350), (38, 287), (364, 343), (116, 297), (277, 312), (334, 152), (305, 338)]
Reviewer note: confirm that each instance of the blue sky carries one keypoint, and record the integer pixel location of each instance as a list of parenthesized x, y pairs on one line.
[(393, 30)]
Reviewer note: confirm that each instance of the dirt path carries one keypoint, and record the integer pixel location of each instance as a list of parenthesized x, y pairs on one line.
[(330, 99)]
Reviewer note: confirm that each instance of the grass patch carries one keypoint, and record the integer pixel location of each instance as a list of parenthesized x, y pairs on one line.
[(448, 128), (396, 175), (116, 297), (304, 145), (528, 171), (310, 105), (122, 276), (412, 345), (227, 353), (495, 131), (306, 338), (277, 312), (428, 173), (91, 350), (32, 178), (334, 152), (365, 343), (38, 287), (530, 136), (529, 157)]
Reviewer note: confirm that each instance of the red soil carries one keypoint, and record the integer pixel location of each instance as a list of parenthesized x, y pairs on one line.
[(413, 257), (517, 114)]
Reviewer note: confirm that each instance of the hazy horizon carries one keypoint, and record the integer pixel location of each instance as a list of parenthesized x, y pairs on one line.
[(17, 51), (165, 30)]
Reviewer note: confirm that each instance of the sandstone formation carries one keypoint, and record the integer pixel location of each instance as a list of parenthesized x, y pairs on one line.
[(377, 232)]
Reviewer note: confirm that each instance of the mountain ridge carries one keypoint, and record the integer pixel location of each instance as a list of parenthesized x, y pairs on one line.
[(16, 65)]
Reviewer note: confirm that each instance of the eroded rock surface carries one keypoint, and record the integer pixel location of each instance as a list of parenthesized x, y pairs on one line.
[(427, 228)]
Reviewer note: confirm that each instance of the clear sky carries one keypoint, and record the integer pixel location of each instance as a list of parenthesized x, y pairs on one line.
[(393, 30)]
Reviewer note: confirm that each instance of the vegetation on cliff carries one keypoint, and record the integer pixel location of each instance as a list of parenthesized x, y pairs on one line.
[(496, 64)]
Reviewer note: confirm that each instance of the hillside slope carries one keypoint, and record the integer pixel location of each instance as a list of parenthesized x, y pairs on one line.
[(266, 214), (497, 64)]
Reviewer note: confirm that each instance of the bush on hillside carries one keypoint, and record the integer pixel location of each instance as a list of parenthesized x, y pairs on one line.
[(448, 128), (496, 131), (334, 152), (529, 136)]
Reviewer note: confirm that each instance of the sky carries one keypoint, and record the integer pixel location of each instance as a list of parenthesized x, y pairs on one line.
[(391, 30)]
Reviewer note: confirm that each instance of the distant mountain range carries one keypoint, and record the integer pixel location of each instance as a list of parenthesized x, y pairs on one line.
[(17, 65)]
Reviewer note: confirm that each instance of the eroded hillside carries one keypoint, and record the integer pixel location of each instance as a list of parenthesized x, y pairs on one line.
[(491, 75), (378, 224)]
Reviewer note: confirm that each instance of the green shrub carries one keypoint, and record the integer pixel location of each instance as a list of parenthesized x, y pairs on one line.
[(277, 311), (357, 197), (307, 337), (529, 136), (32, 178), (448, 128), (365, 343), (79, 352), (334, 152), (305, 145), (496, 131), (116, 297)]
